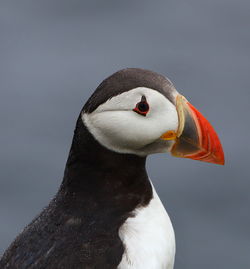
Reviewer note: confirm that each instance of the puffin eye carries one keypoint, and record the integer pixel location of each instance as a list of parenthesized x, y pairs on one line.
[(142, 107)]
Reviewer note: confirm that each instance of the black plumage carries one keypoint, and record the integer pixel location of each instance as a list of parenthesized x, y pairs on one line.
[(79, 228)]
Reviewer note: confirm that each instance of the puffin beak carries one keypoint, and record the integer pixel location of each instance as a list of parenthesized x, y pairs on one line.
[(195, 137)]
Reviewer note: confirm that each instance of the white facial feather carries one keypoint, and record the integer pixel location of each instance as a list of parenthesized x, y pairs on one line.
[(116, 126)]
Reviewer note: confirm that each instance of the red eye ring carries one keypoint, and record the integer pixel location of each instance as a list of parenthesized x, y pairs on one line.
[(142, 108)]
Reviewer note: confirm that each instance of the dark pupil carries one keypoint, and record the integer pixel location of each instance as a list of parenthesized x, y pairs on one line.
[(143, 106)]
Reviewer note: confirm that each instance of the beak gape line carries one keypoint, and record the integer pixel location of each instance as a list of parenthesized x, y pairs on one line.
[(195, 138)]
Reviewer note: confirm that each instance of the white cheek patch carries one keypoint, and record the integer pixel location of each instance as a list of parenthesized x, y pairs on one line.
[(116, 126)]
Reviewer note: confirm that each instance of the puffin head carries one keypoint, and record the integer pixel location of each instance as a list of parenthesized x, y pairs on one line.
[(140, 112)]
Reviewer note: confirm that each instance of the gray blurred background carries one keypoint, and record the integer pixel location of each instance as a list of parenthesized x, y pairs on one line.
[(53, 54)]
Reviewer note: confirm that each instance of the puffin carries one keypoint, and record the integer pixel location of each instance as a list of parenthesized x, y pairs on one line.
[(106, 213)]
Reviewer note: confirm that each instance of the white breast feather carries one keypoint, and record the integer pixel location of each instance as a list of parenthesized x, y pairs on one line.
[(148, 238)]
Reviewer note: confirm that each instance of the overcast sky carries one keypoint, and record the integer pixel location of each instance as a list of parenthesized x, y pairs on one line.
[(53, 54)]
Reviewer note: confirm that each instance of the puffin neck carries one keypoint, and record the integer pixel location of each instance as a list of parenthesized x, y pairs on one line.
[(94, 173)]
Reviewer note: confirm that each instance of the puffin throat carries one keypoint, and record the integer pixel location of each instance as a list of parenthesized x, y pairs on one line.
[(102, 179)]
